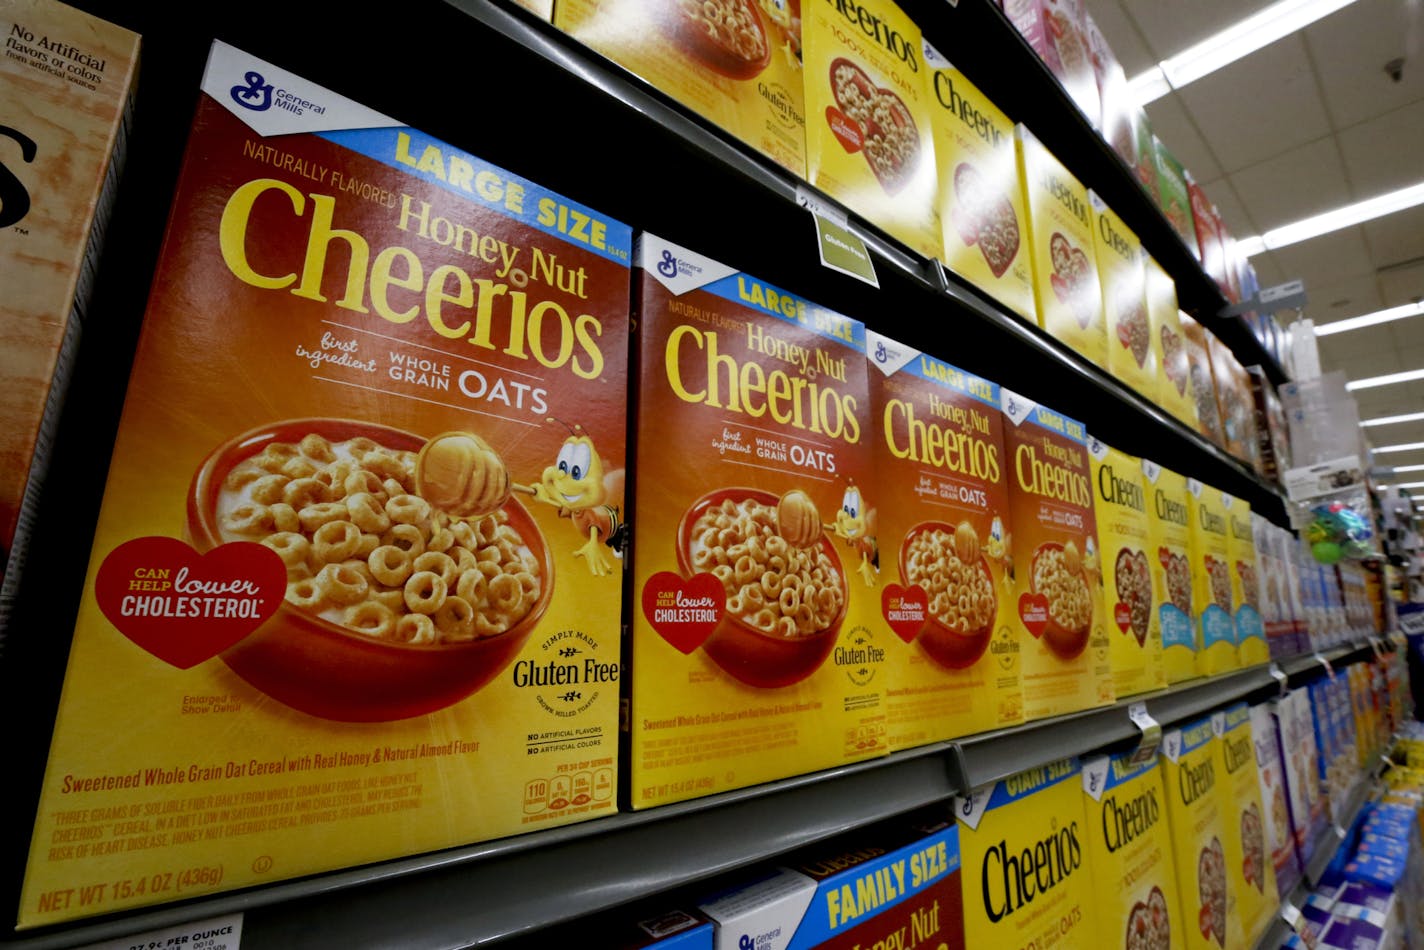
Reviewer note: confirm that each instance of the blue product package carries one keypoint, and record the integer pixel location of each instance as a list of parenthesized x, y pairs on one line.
[(1374, 869), (1352, 934)]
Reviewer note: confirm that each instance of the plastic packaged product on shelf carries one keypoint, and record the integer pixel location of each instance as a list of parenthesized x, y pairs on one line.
[(67, 133), (1114, 96), (1173, 197), (1122, 276), (358, 575), (1235, 402), (1211, 578), (1249, 863), (1194, 336), (1195, 800), (1275, 800), (868, 141), (1027, 877), (1174, 369), (736, 63), (946, 616), (755, 651), (1065, 272), (1129, 599), (1055, 31), (1251, 646), (1174, 621), (980, 203), (1057, 569), (1130, 852)]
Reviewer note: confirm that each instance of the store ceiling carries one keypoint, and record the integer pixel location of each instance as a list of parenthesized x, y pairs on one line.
[(1307, 124)]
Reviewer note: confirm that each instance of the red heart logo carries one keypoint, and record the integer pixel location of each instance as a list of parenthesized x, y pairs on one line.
[(684, 611), (184, 607), (1033, 610), (845, 129), (1123, 615), (906, 610), (1204, 921)]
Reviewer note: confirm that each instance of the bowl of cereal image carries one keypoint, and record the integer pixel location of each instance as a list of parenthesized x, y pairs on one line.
[(1070, 603), (963, 602), (393, 608), (729, 37), (785, 605)]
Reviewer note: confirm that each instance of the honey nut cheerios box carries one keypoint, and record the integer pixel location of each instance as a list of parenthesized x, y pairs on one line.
[(1210, 529), (1028, 876), (358, 550), (1251, 646), (736, 63), (1249, 864), (1203, 387), (1196, 798), (982, 219), (1130, 597), (1131, 851), (868, 140), (1131, 358), (1169, 519), (944, 530), (1174, 369), (756, 651), (1057, 570), (1065, 270)]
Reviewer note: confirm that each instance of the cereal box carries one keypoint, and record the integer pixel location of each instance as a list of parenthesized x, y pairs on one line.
[(1027, 878), (1065, 273), (1235, 401), (1174, 369), (363, 566), (736, 63), (1251, 644), (868, 141), (756, 649), (1194, 336), (1210, 250), (1056, 567), (981, 205), (1211, 578), (1195, 787), (1055, 30), (1298, 749), (1123, 278), (1113, 93), (1275, 799), (1131, 852), (1249, 866), (1173, 196), (64, 89), (1144, 145), (942, 480), (1130, 601), (1169, 522)]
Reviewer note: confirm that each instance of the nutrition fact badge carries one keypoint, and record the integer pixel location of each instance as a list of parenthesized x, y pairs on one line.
[(215, 933)]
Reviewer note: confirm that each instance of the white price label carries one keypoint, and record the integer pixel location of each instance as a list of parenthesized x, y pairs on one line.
[(215, 933), (1279, 675), (1151, 733)]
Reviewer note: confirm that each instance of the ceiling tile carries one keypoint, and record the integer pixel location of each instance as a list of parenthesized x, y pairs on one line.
[(1376, 362), (1384, 153), (1407, 335), (1293, 185), (1269, 271), (1400, 285), (1172, 27), (1351, 297), (1259, 106), (1356, 344), (1326, 260), (1123, 36), (1350, 49), (1174, 127), (1397, 239)]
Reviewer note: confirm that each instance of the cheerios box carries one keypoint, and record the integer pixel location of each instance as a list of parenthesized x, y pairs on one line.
[(1061, 246), (363, 568), (981, 199), (1196, 799), (868, 140), (1057, 571), (1028, 875), (1130, 599), (1249, 865), (1251, 646), (736, 63), (1122, 276), (1131, 851), (1203, 387), (945, 537), (755, 647), (1169, 520), (1174, 369), (1211, 578)]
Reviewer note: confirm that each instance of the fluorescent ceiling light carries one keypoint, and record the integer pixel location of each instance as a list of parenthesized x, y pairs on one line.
[(1369, 319), (1397, 469), (1409, 485), (1390, 420), (1373, 381), (1360, 211), (1403, 447), (1239, 40)]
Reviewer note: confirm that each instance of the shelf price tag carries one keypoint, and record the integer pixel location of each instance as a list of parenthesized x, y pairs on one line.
[(841, 249), (215, 933), (1320, 658), (1279, 675), (1151, 733)]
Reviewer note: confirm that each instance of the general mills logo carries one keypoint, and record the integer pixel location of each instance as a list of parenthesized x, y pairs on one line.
[(256, 95), (1013, 407), (668, 265), (744, 942), (1095, 447), (880, 354)]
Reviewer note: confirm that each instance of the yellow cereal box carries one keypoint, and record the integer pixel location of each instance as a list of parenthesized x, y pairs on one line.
[(1123, 276), (981, 207), (1169, 521), (756, 649), (1027, 879), (736, 63), (1211, 578), (868, 141), (1129, 598), (1065, 270), (1196, 800), (362, 568), (1130, 849), (1251, 644), (942, 483), (1249, 867), (1174, 369), (1056, 568)]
